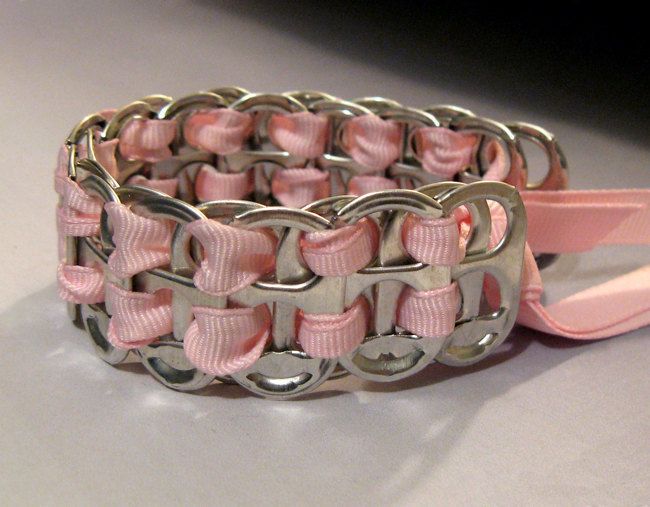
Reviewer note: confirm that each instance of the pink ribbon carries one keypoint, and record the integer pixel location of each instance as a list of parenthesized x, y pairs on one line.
[(147, 140), (434, 241), (222, 131), (331, 335), (298, 187), (360, 185), (303, 134), (233, 257), (431, 314), (372, 141), (105, 155), (343, 251), (80, 284), (225, 341), (140, 243), (137, 318), (167, 186), (79, 213), (211, 185), (581, 220), (444, 152)]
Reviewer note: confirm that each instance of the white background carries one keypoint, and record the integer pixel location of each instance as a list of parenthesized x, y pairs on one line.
[(544, 421)]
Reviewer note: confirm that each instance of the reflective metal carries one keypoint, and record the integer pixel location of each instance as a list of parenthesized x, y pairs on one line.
[(557, 177), (490, 131), (135, 110)]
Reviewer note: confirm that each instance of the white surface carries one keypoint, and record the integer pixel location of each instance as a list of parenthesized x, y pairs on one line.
[(545, 421)]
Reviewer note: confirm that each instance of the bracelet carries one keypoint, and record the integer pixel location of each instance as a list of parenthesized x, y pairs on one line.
[(278, 240)]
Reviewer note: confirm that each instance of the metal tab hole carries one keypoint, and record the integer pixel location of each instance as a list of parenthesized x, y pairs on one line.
[(95, 320), (167, 363)]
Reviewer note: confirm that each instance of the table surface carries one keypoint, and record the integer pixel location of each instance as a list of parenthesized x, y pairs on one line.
[(543, 421)]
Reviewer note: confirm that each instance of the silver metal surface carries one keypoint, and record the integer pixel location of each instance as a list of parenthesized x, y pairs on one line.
[(557, 175), (489, 131), (387, 354)]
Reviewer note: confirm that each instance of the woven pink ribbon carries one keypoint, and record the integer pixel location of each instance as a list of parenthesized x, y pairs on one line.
[(137, 318), (147, 140), (337, 252), (222, 131), (434, 241), (77, 215), (372, 141), (303, 134), (224, 341), (299, 187), (167, 186), (211, 185), (342, 251), (331, 335), (444, 152), (432, 313), (80, 284), (233, 257), (140, 243), (360, 185)]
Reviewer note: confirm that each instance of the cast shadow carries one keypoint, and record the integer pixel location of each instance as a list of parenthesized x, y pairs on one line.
[(417, 422), (583, 66)]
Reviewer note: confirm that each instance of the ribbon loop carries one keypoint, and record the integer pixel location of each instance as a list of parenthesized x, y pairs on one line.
[(330, 335), (233, 257), (222, 131), (225, 341), (303, 134), (372, 141), (211, 184), (137, 318), (147, 140), (80, 284), (343, 251), (444, 152), (140, 243)]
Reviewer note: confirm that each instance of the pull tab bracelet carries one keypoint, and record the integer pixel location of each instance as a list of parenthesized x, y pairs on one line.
[(278, 240)]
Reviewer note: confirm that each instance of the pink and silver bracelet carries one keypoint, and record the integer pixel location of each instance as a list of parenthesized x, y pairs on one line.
[(278, 240)]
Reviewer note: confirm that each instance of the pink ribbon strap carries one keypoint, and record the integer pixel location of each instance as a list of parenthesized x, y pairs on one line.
[(225, 341), (78, 214), (80, 284), (434, 241), (211, 184), (444, 152), (343, 251), (372, 141), (147, 140), (579, 220), (168, 186), (137, 318), (233, 257), (330, 335), (299, 187), (303, 134), (140, 243), (360, 185), (591, 218), (431, 314), (222, 131)]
